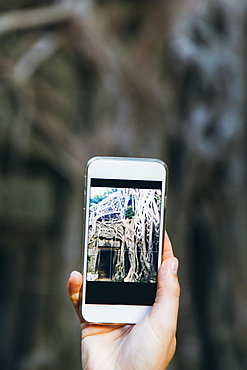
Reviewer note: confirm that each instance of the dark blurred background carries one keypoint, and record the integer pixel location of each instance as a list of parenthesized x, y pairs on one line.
[(143, 78)]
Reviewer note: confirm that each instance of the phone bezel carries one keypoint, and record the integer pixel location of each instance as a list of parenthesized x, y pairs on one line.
[(123, 168)]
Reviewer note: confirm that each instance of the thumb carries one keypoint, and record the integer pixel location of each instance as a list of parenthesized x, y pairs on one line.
[(165, 309)]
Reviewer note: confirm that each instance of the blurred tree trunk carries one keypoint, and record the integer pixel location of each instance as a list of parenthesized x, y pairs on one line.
[(209, 157), (137, 78)]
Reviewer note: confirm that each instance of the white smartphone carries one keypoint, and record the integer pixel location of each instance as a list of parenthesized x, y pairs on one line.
[(123, 217)]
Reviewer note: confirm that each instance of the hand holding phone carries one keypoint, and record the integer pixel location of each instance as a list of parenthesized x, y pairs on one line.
[(124, 213), (149, 344)]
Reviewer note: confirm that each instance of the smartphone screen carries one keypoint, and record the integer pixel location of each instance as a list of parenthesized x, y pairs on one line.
[(123, 239)]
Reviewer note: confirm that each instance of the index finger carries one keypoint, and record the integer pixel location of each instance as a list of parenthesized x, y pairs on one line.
[(167, 248)]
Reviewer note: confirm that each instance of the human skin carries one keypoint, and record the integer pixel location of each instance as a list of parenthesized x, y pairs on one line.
[(149, 344)]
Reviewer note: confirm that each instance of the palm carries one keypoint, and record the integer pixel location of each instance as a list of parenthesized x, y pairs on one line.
[(101, 345), (124, 347)]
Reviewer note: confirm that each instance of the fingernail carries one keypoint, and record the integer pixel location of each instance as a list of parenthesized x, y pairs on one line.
[(74, 274), (174, 266)]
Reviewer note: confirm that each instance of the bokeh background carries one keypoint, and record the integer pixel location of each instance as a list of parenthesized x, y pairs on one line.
[(141, 78)]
